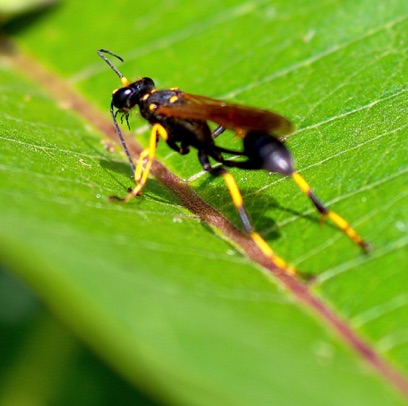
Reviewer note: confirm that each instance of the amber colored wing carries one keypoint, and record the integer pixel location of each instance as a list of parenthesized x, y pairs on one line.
[(231, 116)]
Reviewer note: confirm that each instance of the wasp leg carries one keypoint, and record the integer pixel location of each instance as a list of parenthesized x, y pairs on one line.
[(218, 150), (266, 152), (339, 221), (181, 149), (141, 174), (238, 202), (218, 131)]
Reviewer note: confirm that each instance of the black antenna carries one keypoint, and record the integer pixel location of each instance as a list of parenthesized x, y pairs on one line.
[(122, 78), (101, 53), (121, 139), (125, 82)]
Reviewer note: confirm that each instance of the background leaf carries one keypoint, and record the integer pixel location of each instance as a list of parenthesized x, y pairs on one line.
[(167, 302)]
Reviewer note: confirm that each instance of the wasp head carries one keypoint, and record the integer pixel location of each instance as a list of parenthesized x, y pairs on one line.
[(125, 98)]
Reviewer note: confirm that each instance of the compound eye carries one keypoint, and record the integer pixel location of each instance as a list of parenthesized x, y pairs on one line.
[(120, 97)]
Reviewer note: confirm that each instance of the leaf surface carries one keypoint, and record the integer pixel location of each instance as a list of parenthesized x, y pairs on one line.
[(165, 299)]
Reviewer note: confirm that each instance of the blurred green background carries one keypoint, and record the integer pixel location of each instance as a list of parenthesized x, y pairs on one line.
[(169, 304)]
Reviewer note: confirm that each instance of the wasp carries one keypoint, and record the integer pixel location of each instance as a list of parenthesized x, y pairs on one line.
[(181, 120)]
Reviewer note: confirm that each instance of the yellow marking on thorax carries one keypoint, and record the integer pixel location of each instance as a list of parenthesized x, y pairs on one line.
[(173, 99)]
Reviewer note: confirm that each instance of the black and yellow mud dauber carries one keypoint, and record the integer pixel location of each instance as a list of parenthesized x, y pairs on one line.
[(181, 120)]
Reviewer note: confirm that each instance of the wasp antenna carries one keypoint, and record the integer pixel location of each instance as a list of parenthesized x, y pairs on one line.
[(121, 139), (101, 53)]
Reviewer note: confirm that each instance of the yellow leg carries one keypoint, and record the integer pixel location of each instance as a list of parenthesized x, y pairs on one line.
[(139, 166), (267, 251), (339, 221), (256, 237), (141, 174)]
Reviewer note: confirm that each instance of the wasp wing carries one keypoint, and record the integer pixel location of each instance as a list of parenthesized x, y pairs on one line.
[(231, 116)]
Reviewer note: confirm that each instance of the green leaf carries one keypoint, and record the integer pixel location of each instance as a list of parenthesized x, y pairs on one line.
[(166, 300)]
